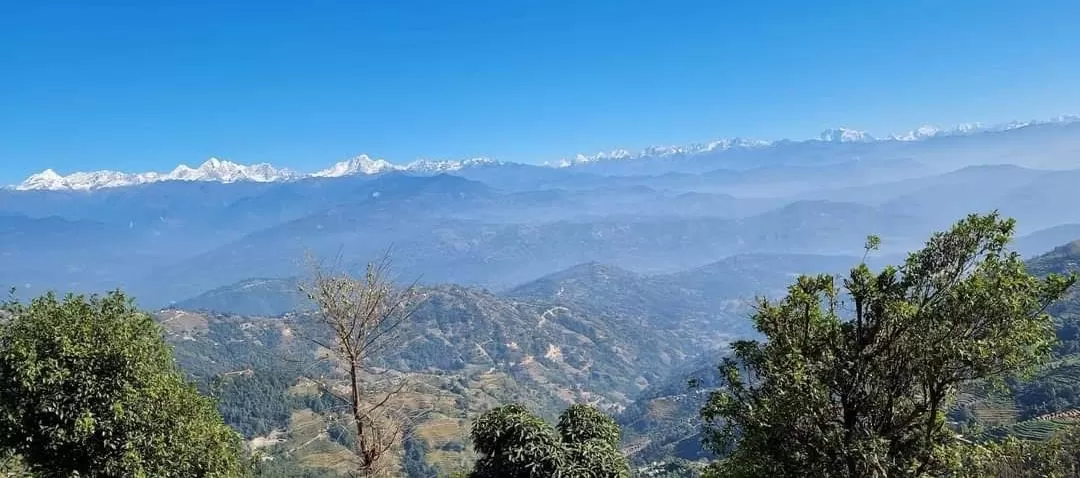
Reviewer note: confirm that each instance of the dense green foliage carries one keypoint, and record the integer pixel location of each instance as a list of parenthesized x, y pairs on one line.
[(284, 467), (255, 404), (413, 463), (88, 387), (866, 395), (513, 442)]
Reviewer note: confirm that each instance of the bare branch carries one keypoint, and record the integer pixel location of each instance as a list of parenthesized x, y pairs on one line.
[(362, 315)]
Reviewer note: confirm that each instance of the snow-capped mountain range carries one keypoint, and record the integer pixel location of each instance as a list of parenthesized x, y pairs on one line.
[(213, 169), (845, 135), (222, 171), (663, 151)]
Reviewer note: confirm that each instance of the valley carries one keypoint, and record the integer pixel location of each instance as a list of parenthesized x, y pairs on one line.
[(614, 281)]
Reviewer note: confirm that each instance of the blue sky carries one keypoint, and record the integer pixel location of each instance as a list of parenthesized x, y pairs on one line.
[(146, 85)]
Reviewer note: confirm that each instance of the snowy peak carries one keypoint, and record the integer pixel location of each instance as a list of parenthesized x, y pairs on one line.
[(213, 169), (265, 173), (47, 179), (222, 171), (359, 165), (845, 135), (601, 156), (928, 131), (663, 151), (920, 133), (363, 164), (218, 170), (429, 166), (81, 181)]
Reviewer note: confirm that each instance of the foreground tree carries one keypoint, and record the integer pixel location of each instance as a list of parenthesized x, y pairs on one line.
[(515, 443), (862, 392), (88, 387), (359, 318)]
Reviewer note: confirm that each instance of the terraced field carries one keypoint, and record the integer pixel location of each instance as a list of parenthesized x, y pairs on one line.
[(1062, 372), (1031, 429), (1000, 413), (995, 411)]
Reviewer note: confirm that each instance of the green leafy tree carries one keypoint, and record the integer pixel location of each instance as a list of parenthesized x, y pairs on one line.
[(513, 442), (858, 386), (88, 387), (591, 439)]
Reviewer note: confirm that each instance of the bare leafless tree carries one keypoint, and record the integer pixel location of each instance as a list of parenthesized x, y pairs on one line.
[(360, 317)]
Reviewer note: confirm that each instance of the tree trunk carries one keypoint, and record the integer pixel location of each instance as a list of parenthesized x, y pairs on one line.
[(367, 461)]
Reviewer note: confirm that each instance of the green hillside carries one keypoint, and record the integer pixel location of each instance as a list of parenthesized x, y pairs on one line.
[(464, 351)]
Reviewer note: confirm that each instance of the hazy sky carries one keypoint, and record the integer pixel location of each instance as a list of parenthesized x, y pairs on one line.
[(144, 85)]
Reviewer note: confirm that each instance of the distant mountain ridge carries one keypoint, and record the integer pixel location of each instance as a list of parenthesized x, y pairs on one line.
[(691, 301), (223, 171)]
